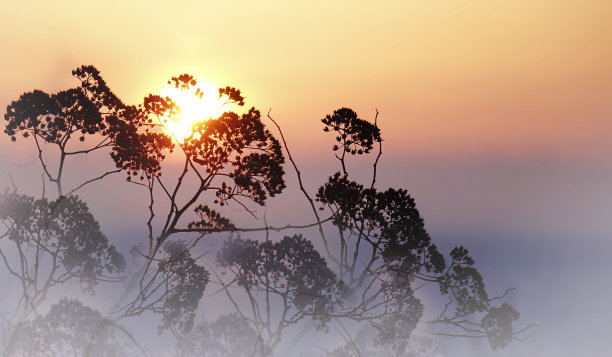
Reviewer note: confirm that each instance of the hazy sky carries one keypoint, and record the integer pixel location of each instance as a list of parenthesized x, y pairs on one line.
[(451, 78), (496, 115)]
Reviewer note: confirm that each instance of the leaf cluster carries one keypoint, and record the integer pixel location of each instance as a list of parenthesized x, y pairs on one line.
[(185, 284), (53, 117), (498, 325), (402, 251), (210, 220), (391, 216), (240, 143), (69, 329), (354, 135), (228, 335), (65, 230), (291, 268)]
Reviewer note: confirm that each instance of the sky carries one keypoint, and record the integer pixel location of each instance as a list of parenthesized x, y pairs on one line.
[(495, 115)]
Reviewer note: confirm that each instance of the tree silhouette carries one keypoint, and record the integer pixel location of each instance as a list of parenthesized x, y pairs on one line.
[(173, 289), (83, 112), (385, 255), (289, 275), (364, 344), (232, 156), (229, 336), (52, 243), (71, 329), (366, 273)]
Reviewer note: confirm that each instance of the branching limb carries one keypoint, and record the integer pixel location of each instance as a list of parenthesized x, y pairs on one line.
[(310, 200)]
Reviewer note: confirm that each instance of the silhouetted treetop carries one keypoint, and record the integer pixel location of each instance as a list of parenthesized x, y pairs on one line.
[(210, 220), (233, 95), (466, 283), (365, 344), (403, 312), (136, 148), (70, 329), (97, 91), (498, 325), (392, 225), (90, 109), (291, 268), (184, 81), (227, 336), (354, 135), (140, 145), (53, 117), (139, 152), (401, 254), (66, 230), (390, 215), (240, 144), (185, 282), (237, 147)]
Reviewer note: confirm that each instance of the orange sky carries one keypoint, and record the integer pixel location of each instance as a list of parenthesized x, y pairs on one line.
[(451, 78)]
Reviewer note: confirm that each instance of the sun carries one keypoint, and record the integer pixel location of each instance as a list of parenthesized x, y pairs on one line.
[(192, 107)]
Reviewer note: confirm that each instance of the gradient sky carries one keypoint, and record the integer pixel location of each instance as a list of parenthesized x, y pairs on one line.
[(496, 115)]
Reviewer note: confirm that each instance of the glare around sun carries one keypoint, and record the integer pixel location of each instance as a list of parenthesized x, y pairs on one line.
[(192, 108)]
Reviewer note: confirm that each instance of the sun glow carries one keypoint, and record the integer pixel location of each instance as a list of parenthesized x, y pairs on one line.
[(192, 108)]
